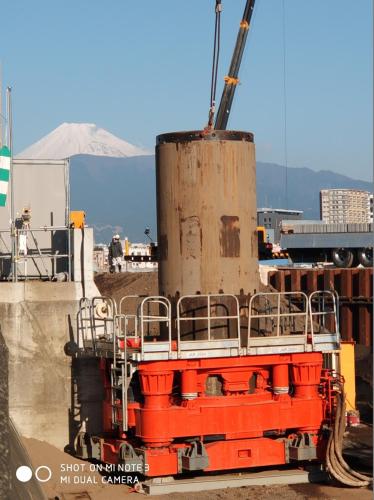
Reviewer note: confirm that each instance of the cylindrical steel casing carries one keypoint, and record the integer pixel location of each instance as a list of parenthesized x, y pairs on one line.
[(206, 213)]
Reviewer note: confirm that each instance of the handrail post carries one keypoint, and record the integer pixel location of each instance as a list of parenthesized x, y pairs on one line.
[(249, 322), (208, 318), (238, 322), (306, 304), (278, 315), (124, 387), (178, 328), (142, 330), (168, 311)]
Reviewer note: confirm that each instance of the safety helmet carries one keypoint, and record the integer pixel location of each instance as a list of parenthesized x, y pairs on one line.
[(116, 237)]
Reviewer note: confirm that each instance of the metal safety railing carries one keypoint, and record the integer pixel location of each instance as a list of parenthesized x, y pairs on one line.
[(132, 317), (227, 301), (324, 319), (44, 256), (279, 322), (85, 330), (119, 375), (146, 319), (95, 322), (208, 325)]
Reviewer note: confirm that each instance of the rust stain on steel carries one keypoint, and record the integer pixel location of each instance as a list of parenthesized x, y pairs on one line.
[(229, 237), (191, 236)]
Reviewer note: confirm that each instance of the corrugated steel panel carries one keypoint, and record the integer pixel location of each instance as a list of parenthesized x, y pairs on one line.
[(43, 187), (355, 290), (301, 227), (326, 240)]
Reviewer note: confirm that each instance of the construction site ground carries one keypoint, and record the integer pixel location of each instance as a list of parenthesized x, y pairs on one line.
[(92, 485)]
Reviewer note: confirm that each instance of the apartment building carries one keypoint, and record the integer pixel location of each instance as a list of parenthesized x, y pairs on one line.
[(345, 205)]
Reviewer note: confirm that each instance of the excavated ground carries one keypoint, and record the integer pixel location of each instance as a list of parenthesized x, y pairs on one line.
[(84, 484), (120, 284)]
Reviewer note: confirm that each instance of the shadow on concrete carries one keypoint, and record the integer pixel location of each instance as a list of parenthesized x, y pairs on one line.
[(13, 454), (87, 393)]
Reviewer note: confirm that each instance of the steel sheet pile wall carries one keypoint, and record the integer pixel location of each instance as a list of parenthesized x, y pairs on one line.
[(206, 210), (355, 290)]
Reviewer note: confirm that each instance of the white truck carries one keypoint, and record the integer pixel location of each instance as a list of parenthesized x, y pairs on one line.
[(346, 245)]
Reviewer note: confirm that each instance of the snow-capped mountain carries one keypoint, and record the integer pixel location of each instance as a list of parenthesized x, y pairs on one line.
[(71, 139)]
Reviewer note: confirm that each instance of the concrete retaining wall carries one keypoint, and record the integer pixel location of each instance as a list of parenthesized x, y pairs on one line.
[(37, 320)]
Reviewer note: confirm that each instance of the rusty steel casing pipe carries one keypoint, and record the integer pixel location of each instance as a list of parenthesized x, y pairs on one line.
[(206, 213)]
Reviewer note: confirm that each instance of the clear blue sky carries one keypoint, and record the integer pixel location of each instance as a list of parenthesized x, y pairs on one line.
[(140, 68)]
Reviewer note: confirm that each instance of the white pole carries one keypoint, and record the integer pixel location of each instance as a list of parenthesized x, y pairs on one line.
[(12, 210)]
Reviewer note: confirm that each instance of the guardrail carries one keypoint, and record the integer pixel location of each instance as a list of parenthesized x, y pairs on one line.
[(27, 247), (323, 307), (209, 343), (147, 319), (277, 322)]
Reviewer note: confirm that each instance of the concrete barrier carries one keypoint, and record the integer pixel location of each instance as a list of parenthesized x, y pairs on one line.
[(37, 320)]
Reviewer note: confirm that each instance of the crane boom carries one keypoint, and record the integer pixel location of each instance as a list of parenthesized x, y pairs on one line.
[(231, 80)]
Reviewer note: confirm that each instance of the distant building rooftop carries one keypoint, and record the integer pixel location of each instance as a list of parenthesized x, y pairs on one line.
[(280, 211), (353, 190)]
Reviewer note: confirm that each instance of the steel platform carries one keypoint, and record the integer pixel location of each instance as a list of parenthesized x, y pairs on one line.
[(166, 485)]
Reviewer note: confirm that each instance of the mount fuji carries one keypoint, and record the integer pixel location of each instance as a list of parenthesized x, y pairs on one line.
[(70, 139)]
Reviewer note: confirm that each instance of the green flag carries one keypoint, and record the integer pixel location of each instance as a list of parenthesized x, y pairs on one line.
[(4, 174)]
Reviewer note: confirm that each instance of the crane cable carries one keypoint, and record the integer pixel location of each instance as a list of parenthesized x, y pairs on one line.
[(216, 49), (285, 100)]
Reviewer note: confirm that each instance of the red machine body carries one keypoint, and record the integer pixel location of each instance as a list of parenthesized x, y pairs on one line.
[(213, 413)]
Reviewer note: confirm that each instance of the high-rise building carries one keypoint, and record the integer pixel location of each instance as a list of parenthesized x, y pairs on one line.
[(345, 205)]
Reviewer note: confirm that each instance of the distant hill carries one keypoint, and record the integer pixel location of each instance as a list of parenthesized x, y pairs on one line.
[(119, 194)]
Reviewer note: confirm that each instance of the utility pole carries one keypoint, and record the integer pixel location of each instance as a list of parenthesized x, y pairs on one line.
[(9, 140)]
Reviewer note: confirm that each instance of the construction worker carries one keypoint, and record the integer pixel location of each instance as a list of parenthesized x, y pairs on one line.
[(115, 254)]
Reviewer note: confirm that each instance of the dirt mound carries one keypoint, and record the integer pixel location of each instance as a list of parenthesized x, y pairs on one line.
[(90, 483), (70, 477), (20, 458), (120, 284)]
